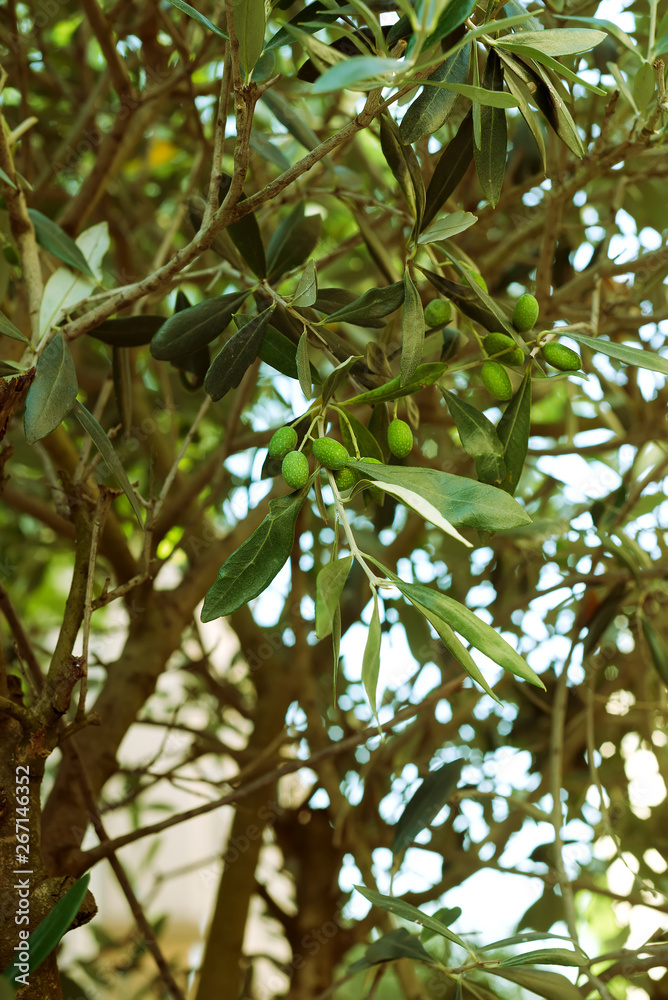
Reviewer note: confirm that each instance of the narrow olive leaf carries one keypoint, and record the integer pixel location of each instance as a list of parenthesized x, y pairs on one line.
[(490, 159), (104, 446), (290, 118), (452, 17), (465, 298), (57, 242), (372, 305), (560, 41), (371, 657), (396, 944), (452, 164), (293, 241), (196, 16), (404, 165), (548, 99), (9, 330), (611, 28), (460, 501), (426, 374), (304, 365), (250, 570), (249, 24), (48, 933), (280, 353), (328, 588), (521, 93), (306, 291), (424, 806), (311, 19), (644, 83), (245, 234), (523, 938), (188, 330), (448, 226), (485, 300), (433, 106), (550, 985), (547, 956), (337, 376), (412, 331), (53, 391), (455, 648), (423, 506), (531, 52), (479, 438), (237, 355), (366, 442), (128, 331), (477, 632), (329, 300), (7, 179), (513, 430), (657, 648), (408, 912), (620, 352), (479, 95), (268, 151), (358, 73)]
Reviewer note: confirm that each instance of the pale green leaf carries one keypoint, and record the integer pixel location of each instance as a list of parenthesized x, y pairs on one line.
[(196, 16), (53, 391), (621, 352), (479, 438), (304, 365), (371, 657), (94, 243), (412, 331), (249, 24), (62, 292), (454, 646), (550, 985), (57, 242), (8, 329), (329, 586), (306, 291), (420, 504), (356, 72), (560, 41), (426, 374), (447, 226), (408, 912)]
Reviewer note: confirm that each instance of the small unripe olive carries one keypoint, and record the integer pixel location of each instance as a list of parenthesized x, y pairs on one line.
[(437, 312), (561, 357), (496, 380), (330, 453), (283, 441), (345, 479), (295, 469), (525, 313), (400, 438), (503, 348)]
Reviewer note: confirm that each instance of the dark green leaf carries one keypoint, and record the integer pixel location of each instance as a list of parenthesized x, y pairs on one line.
[(424, 806), (237, 355), (188, 330), (304, 366), (366, 442), (53, 391), (281, 354), (548, 99), (548, 956), (196, 16), (268, 151), (293, 241), (479, 438), (253, 566), (455, 648), (329, 585), (311, 18), (249, 24), (486, 304), (467, 300), (289, 116), (371, 657), (657, 648), (452, 17), (480, 635), (329, 300), (550, 64), (550, 985), (9, 330), (336, 377), (104, 446), (57, 242), (452, 164), (412, 331), (513, 430), (245, 234), (490, 159), (461, 501), (306, 291), (396, 944), (620, 352), (128, 331), (426, 374), (372, 305), (432, 107), (404, 165), (48, 933), (520, 91), (408, 912)]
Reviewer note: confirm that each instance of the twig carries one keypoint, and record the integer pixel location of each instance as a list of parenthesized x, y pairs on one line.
[(103, 501), (22, 641)]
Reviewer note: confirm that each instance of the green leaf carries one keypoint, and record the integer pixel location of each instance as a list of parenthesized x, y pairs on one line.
[(477, 632), (304, 365), (48, 933), (358, 72), (531, 52), (245, 234), (128, 331), (546, 96), (408, 912), (425, 804), (7, 179), (523, 938), (433, 105), (455, 648), (412, 331), (104, 446), (466, 299), (479, 95), (237, 355), (454, 14), (188, 330), (479, 438), (306, 291), (329, 585), (396, 944), (249, 25), (337, 376), (486, 304), (57, 242), (63, 290), (559, 41), (53, 391), (366, 442), (196, 16), (550, 985), (447, 227), (420, 504), (461, 501), (657, 649), (521, 93), (490, 159), (268, 151), (293, 241), (372, 305), (281, 354), (311, 19), (548, 956), (291, 119), (608, 26), (9, 330), (250, 570), (404, 165), (620, 352), (513, 430), (452, 164), (371, 657), (426, 374)]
